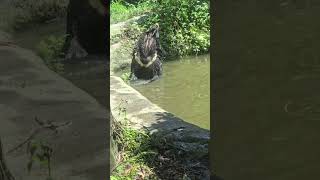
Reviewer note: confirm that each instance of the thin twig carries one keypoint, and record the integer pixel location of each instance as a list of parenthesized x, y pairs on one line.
[(48, 125), (28, 139)]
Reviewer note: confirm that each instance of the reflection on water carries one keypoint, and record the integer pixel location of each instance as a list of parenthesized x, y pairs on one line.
[(184, 89)]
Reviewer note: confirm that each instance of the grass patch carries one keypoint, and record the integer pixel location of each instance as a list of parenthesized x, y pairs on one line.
[(40, 152), (145, 156), (50, 50), (134, 151), (126, 77), (184, 26), (121, 10)]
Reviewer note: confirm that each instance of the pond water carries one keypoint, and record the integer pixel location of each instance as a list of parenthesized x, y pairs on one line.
[(184, 89), (266, 83)]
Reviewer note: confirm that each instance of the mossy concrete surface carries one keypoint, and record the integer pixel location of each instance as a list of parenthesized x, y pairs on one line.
[(119, 57)]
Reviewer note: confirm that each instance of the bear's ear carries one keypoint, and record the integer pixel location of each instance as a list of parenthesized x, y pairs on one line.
[(155, 33)]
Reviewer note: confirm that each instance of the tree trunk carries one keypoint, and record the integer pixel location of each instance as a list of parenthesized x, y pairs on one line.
[(4, 171)]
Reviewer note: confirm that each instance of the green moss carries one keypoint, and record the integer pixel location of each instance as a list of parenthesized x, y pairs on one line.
[(50, 50)]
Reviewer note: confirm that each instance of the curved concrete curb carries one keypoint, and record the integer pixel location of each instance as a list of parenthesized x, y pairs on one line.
[(146, 115)]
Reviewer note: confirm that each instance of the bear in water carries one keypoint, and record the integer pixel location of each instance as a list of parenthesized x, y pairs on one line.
[(146, 63)]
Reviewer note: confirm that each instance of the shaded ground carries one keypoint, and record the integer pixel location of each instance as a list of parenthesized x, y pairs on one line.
[(28, 89)]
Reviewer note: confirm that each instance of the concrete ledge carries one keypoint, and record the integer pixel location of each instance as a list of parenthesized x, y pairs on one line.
[(144, 114), (28, 89)]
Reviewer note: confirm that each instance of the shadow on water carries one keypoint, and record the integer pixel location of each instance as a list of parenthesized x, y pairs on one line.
[(183, 144)]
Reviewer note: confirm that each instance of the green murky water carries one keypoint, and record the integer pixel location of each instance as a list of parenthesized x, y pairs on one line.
[(184, 89), (266, 84)]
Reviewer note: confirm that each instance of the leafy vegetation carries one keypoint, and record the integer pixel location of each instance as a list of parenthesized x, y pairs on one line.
[(126, 77), (37, 11), (133, 31), (184, 25), (135, 151), (145, 156), (50, 50), (121, 10), (40, 152)]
